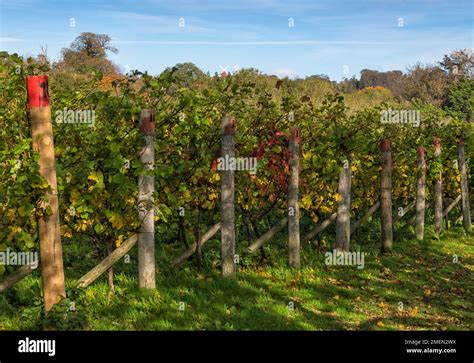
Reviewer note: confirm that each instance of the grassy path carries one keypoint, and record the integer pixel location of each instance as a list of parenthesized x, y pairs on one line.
[(420, 286)]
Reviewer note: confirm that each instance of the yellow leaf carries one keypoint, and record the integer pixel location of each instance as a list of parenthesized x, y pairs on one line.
[(187, 196), (96, 176), (44, 184), (75, 195), (11, 213), (116, 221), (13, 232), (65, 231), (325, 209), (306, 202), (413, 311), (380, 323), (119, 241)]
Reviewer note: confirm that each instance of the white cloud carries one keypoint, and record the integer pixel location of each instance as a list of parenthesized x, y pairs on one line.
[(145, 24)]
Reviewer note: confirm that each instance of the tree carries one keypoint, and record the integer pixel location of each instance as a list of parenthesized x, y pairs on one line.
[(459, 63), (349, 85), (186, 75), (93, 45), (392, 80), (461, 100), (88, 51), (427, 83)]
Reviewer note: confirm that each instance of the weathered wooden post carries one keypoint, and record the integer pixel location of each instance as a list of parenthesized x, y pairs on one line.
[(227, 198), (438, 188), (466, 211), (146, 208), (420, 194), (365, 217), (386, 195), (343, 222), (293, 205), (51, 253)]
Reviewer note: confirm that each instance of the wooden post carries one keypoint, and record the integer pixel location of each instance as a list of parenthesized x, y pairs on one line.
[(146, 209), (407, 209), (293, 204), (420, 194), (365, 217), (386, 195), (227, 198), (460, 218), (267, 235), (450, 207), (343, 222), (413, 219), (52, 269), (438, 190), (18, 275), (107, 262), (319, 228), (466, 211), (178, 261)]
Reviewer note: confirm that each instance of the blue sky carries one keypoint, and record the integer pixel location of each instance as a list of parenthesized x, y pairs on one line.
[(338, 38)]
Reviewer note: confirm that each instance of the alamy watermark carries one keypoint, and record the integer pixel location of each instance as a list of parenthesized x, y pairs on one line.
[(344, 258), (400, 117), (13, 258), (67, 116), (237, 164), (28, 345)]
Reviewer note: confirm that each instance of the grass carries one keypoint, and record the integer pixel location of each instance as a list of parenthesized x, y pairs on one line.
[(417, 287)]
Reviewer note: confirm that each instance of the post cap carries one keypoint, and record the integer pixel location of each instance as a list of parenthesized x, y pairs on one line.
[(385, 144), (37, 90), (228, 124), (421, 151), (147, 122), (296, 134)]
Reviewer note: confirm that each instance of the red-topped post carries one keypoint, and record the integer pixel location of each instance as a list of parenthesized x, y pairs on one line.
[(51, 254)]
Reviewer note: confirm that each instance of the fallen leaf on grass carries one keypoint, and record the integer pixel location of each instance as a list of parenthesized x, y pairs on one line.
[(413, 311)]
